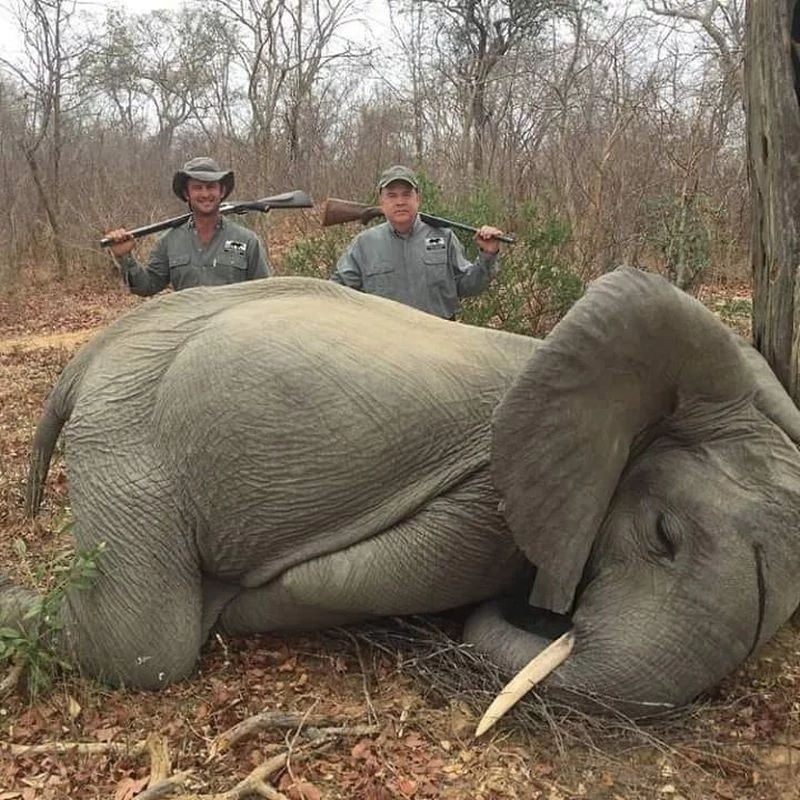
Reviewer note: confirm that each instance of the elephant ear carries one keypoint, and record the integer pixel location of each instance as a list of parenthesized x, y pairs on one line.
[(771, 398), (632, 352)]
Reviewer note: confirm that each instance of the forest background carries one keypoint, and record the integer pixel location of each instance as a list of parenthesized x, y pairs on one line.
[(599, 134)]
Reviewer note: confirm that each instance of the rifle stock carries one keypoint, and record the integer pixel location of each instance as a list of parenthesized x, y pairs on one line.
[(294, 199), (336, 212)]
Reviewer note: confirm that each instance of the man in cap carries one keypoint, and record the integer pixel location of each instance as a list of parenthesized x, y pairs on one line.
[(208, 250), (407, 260)]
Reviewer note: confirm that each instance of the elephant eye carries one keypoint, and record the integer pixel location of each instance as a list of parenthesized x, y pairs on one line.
[(667, 544)]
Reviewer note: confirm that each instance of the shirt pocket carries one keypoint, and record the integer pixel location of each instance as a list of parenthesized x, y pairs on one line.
[(436, 268), (232, 265), (179, 265), (378, 278)]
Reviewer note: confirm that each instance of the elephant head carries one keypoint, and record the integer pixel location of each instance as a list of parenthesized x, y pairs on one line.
[(649, 468)]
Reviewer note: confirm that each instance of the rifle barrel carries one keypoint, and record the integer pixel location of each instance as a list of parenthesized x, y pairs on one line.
[(441, 222), (295, 199), (155, 227)]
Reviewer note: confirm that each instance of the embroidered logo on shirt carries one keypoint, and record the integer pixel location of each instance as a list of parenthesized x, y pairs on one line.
[(235, 247), (435, 243)]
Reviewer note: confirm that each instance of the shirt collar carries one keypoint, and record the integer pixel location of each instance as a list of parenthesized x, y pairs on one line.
[(414, 228), (220, 222)]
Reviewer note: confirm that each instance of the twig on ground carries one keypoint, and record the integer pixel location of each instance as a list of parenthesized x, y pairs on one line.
[(84, 748), (313, 727), (160, 766), (372, 713), (165, 787), (256, 783)]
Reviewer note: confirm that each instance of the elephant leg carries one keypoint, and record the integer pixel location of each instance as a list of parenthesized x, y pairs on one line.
[(139, 622), (131, 639), (454, 551)]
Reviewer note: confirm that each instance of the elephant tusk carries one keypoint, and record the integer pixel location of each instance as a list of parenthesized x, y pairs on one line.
[(536, 670)]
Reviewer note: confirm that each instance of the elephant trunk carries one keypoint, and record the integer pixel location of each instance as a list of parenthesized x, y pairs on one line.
[(596, 674), (16, 603)]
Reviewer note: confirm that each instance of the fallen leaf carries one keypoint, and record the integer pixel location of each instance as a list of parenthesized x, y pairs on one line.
[(362, 749), (73, 707), (299, 790), (128, 788), (106, 734)]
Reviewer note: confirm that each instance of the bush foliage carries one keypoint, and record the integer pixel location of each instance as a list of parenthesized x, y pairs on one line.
[(534, 286), (32, 644)]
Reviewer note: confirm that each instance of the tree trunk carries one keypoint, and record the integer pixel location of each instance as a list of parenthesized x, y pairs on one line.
[(773, 145), (49, 201)]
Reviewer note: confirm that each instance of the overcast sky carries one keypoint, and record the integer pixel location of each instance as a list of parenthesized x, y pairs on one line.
[(378, 24)]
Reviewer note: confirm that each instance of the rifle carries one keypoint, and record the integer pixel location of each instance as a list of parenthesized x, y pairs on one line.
[(335, 212), (295, 199)]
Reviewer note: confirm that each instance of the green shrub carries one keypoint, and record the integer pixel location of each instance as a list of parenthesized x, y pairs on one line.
[(32, 646), (677, 229), (533, 287), (316, 255)]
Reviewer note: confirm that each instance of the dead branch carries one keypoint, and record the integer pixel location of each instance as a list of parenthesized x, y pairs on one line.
[(84, 748), (372, 713), (313, 727), (256, 783), (164, 787), (160, 766)]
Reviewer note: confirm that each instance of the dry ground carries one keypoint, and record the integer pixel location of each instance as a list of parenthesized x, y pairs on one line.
[(357, 722)]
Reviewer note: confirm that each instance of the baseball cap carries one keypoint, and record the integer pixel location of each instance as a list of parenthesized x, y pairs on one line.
[(398, 173)]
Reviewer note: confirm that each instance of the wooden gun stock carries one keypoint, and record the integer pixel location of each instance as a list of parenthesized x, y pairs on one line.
[(336, 212), (295, 199)]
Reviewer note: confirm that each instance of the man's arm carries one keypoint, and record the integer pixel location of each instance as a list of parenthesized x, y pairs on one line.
[(257, 261), (149, 280), (348, 271), (472, 278)]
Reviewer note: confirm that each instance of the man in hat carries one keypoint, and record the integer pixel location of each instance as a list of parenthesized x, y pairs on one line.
[(208, 250), (407, 260)]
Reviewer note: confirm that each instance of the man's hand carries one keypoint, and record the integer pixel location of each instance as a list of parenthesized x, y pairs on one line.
[(486, 237), (123, 242)]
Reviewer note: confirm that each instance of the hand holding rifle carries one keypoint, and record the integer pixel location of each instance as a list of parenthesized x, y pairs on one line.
[(336, 211), (121, 241), (488, 238)]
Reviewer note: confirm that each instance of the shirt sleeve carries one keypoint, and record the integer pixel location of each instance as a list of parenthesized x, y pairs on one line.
[(472, 278), (258, 262), (348, 271), (145, 281)]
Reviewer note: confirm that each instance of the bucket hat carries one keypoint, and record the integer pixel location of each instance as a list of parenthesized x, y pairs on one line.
[(202, 169)]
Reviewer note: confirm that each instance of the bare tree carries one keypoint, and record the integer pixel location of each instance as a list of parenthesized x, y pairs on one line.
[(110, 74), (722, 24), (772, 77), (311, 48), (476, 36), (285, 48), (45, 74)]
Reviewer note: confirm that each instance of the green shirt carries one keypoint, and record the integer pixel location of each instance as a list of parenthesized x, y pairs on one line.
[(426, 269), (234, 254)]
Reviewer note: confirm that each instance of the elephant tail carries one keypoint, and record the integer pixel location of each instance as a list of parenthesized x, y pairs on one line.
[(44, 443), (57, 410)]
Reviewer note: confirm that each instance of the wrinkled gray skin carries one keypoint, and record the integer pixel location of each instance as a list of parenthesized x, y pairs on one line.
[(289, 454)]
